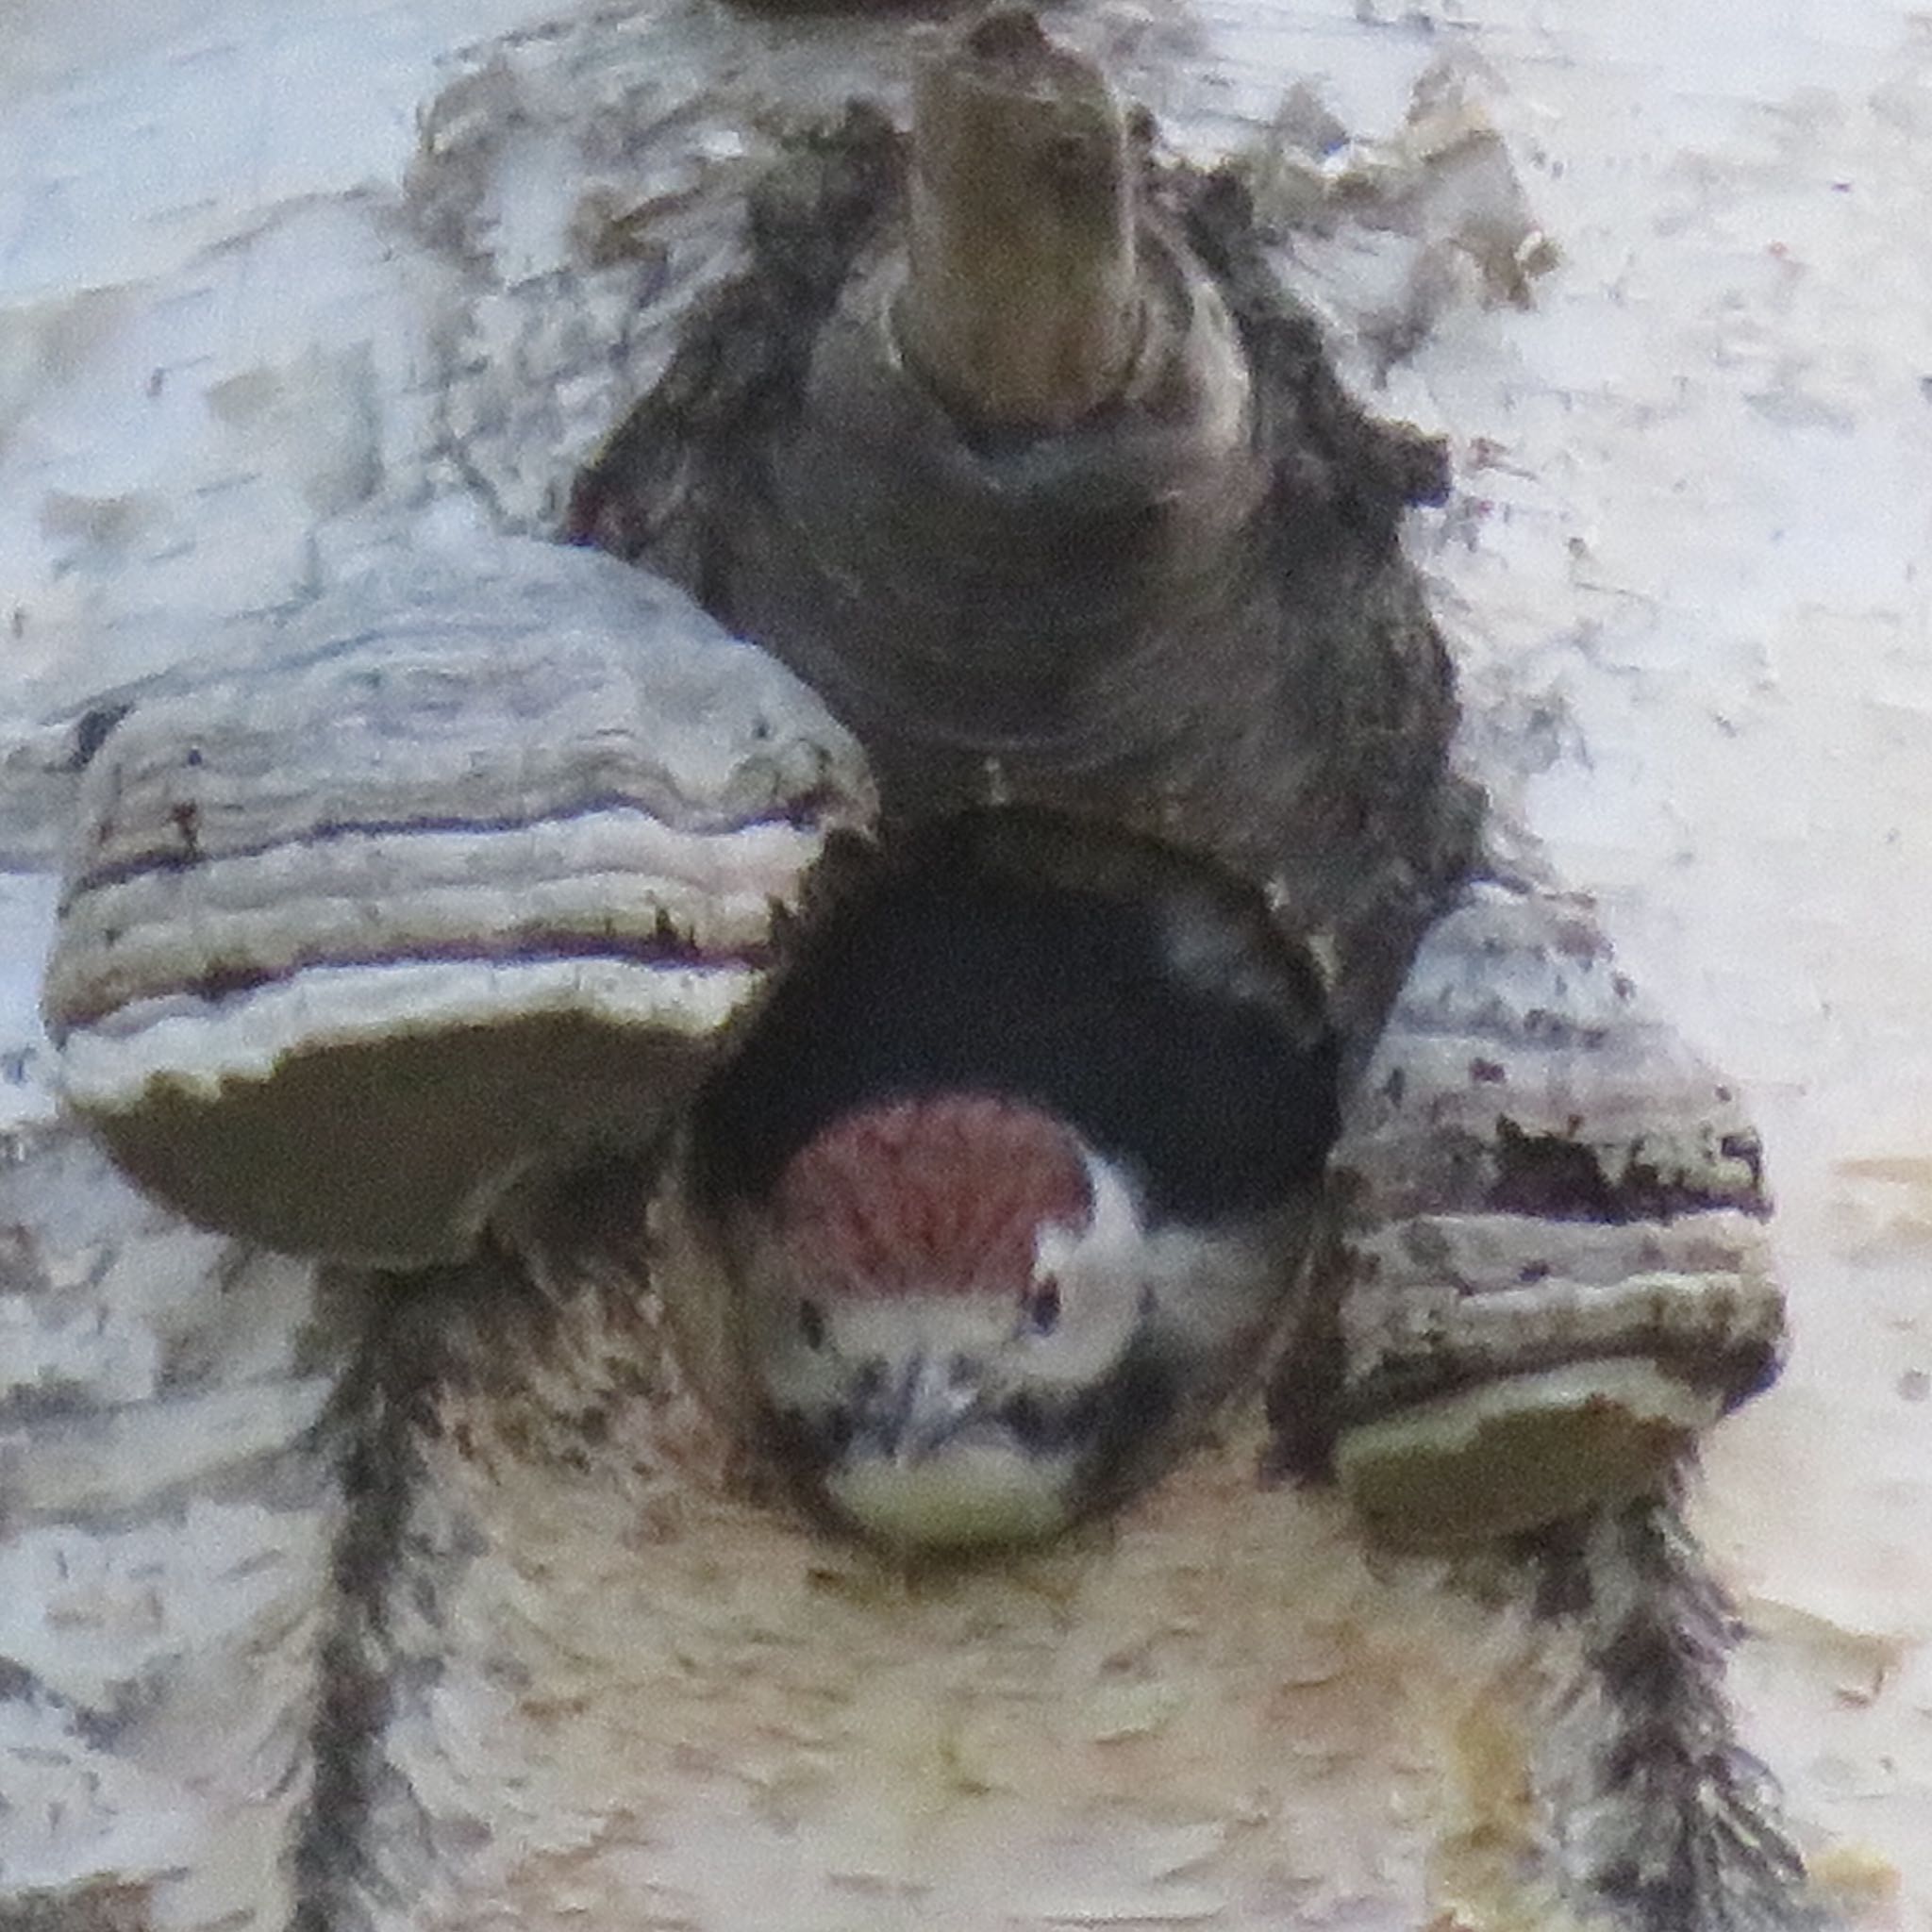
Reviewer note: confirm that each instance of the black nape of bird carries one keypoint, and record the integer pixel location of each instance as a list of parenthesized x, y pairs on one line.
[(1013, 1175)]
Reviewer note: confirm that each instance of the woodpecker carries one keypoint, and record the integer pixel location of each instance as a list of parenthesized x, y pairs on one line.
[(1011, 1178)]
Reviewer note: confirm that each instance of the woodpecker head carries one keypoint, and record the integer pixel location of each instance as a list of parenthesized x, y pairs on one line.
[(1010, 1178), (962, 1331)]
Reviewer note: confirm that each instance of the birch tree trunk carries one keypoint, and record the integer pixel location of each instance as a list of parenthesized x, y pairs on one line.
[(329, 1604)]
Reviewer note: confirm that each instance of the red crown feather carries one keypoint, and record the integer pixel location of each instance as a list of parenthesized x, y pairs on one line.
[(938, 1193)]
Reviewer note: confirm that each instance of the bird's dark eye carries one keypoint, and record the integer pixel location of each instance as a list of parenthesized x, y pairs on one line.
[(1043, 1307), (811, 1323)]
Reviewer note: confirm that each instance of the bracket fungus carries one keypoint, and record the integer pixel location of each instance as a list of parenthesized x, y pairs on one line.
[(446, 882)]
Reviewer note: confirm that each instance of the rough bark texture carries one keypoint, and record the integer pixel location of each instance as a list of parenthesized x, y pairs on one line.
[(1189, 613), (1674, 1824), (1372, 1747), (170, 1494)]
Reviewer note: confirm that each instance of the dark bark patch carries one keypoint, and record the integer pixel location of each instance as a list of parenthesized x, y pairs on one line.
[(1560, 1177), (105, 1906)]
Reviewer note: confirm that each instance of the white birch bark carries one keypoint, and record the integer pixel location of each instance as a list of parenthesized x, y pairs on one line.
[(169, 1510), (248, 327)]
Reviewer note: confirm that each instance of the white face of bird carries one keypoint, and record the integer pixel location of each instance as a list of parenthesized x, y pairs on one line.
[(962, 1331)]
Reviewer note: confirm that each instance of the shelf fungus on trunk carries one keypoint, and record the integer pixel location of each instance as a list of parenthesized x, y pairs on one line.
[(452, 879), (1548, 1272)]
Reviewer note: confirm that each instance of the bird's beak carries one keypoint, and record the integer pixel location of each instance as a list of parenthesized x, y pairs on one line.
[(930, 1465), (922, 1411)]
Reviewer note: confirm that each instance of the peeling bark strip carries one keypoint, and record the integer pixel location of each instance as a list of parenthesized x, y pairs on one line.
[(360, 1824)]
